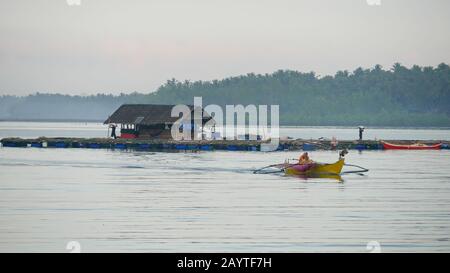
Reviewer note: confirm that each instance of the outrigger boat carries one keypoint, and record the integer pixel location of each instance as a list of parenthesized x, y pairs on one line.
[(417, 146), (312, 169), (315, 168)]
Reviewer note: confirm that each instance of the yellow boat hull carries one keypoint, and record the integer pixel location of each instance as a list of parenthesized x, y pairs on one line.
[(332, 176), (319, 168)]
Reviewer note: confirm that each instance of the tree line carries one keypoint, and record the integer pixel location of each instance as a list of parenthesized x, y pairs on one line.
[(399, 96)]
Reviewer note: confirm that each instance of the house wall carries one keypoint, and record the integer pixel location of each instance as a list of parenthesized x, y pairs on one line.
[(159, 131), (155, 133)]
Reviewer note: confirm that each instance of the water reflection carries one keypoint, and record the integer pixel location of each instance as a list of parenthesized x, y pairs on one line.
[(211, 201), (315, 176)]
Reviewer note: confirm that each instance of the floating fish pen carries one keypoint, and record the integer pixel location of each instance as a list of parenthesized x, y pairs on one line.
[(198, 145)]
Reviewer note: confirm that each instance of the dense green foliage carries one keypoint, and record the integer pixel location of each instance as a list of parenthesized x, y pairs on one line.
[(419, 96)]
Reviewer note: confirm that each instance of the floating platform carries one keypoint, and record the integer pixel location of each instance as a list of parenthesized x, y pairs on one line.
[(200, 145)]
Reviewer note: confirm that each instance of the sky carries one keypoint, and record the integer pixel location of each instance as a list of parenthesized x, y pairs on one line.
[(118, 46)]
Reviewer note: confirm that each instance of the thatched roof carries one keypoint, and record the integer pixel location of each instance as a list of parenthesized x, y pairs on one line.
[(147, 114)]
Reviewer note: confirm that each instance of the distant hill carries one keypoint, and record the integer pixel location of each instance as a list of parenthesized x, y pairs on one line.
[(419, 96)]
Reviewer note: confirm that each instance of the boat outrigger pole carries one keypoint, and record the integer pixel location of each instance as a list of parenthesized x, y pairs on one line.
[(362, 169), (312, 168)]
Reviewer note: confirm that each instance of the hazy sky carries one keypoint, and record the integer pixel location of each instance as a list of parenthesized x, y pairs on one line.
[(115, 46)]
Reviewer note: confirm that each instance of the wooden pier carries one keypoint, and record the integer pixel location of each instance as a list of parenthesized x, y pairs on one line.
[(201, 145)]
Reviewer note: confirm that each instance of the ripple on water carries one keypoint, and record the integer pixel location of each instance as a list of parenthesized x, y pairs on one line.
[(211, 201)]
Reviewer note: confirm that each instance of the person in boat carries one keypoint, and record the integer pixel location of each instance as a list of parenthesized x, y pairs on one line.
[(304, 159)]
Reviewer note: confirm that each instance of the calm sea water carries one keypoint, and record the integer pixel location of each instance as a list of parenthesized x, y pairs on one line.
[(211, 201), (90, 129)]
